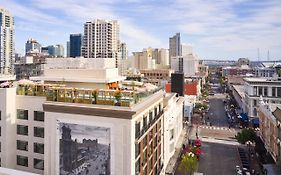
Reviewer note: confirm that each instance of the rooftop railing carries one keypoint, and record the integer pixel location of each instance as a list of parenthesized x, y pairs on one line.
[(60, 93)]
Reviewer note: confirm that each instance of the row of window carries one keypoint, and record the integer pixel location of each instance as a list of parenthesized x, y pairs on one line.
[(37, 147), (263, 91), (37, 163), (23, 114), (146, 121), (37, 131)]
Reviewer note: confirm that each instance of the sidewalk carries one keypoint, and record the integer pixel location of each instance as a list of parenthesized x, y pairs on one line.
[(183, 139)]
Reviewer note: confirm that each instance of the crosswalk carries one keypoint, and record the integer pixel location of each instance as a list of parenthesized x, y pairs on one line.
[(218, 128), (216, 140)]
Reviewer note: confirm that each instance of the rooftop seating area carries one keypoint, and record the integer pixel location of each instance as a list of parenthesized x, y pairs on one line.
[(61, 93)]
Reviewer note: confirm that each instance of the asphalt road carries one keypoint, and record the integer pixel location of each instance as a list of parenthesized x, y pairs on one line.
[(218, 159), (216, 113)]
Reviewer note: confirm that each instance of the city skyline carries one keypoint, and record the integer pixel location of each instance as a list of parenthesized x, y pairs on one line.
[(217, 30)]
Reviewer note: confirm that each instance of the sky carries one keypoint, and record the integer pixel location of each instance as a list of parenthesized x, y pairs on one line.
[(217, 29)]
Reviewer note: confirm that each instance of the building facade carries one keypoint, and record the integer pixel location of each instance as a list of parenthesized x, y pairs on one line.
[(267, 88), (100, 39), (7, 43), (75, 44), (269, 114), (174, 46), (32, 46), (186, 64), (157, 76)]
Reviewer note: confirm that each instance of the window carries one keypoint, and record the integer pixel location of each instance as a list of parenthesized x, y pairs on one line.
[(260, 91), (0, 115), (144, 122), (38, 132), (137, 149), (255, 91), (144, 157), (38, 148), (255, 112), (22, 130), (137, 128), (265, 91), (22, 114), (273, 91), (150, 117), (155, 112), (22, 145), (144, 143), (38, 164), (278, 91), (138, 167), (39, 116), (22, 160), (255, 102)]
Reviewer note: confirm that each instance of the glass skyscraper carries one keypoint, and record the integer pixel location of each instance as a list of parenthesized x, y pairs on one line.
[(75, 45)]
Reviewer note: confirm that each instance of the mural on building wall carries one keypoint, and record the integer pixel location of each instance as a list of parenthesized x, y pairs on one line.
[(84, 150)]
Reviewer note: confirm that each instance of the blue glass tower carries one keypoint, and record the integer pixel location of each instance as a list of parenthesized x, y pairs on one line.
[(75, 45)]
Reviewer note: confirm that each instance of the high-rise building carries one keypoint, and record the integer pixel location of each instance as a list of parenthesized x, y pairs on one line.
[(187, 64), (68, 49), (75, 45), (7, 44), (54, 50), (123, 50), (32, 46), (174, 46), (100, 39), (186, 49)]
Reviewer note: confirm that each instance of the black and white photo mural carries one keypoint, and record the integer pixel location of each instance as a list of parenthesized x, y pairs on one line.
[(84, 150)]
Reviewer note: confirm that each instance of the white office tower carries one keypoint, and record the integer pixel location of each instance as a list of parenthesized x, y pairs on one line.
[(186, 49), (7, 44), (187, 64), (100, 39)]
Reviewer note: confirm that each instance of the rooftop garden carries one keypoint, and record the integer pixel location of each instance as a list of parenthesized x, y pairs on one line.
[(61, 93)]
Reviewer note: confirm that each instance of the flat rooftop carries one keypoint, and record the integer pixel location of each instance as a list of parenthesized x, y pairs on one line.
[(262, 80), (240, 90)]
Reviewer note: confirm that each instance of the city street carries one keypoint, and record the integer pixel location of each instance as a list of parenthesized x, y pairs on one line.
[(216, 113), (218, 159), (219, 145)]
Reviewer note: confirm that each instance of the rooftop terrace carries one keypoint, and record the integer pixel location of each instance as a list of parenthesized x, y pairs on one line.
[(61, 93)]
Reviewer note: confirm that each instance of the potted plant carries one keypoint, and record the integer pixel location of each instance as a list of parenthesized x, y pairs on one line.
[(118, 96), (95, 95)]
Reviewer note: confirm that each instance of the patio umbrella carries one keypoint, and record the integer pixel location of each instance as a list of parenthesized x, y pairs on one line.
[(5, 84), (26, 82)]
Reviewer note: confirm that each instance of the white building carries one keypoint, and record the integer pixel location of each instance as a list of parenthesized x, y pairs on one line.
[(186, 49), (101, 39), (187, 64), (268, 88), (57, 125), (7, 43), (173, 124), (32, 46)]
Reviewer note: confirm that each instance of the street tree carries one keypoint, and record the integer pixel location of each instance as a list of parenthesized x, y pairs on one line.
[(247, 134)]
